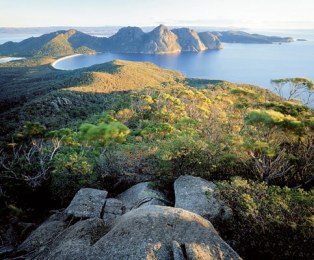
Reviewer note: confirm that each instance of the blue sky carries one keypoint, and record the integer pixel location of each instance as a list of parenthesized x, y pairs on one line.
[(237, 13)]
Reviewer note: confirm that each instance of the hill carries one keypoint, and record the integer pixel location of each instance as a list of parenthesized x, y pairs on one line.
[(115, 124), (243, 37), (54, 44), (160, 40)]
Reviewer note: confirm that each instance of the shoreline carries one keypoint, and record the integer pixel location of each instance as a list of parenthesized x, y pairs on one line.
[(64, 58), (9, 59)]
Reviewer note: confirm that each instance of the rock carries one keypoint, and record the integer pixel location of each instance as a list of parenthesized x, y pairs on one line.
[(87, 203), (127, 39), (149, 232), (5, 251), (64, 243), (189, 40), (113, 210), (57, 215), (160, 40), (210, 40), (142, 194), (197, 195), (76, 240), (42, 236), (202, 252), (177, 251)]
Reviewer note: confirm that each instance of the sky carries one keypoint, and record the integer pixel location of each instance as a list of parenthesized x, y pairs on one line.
[(291, 14)]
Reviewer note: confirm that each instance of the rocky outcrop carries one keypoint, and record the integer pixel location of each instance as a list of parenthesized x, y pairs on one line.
[(60, 102), (142, 194), (113, 209), (87, 203), (210, 40), (197, 195), (72, 242), (157, 232), (161, 40), (132, 226), (42, 236), (127, 39), (189, 40)]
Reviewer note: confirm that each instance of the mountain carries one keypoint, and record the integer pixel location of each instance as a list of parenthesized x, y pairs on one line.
[(210, 40), (189, 40), (243, 37), (54, 44), (127, 39), (160, 40)]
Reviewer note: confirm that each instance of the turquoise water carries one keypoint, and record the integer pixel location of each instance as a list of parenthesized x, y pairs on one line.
[(241, 63)]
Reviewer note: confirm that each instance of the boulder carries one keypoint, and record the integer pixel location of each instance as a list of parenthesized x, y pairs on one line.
[(71, 243), (142, 194), (197, 195), (76, 240), (113, 210), (177, 251), (42, 236), (158, 232), (87, 203)]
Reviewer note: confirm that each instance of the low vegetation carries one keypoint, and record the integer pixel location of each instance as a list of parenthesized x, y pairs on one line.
[(269, 220), (114, 124)]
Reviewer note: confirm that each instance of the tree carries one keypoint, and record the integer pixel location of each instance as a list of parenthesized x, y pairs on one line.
[(294, 88), (29, 163)]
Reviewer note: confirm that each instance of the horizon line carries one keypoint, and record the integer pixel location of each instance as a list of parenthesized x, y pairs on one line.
[(170, 25)]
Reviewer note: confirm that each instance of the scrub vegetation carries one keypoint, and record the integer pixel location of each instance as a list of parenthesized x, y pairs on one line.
[(110, 125)]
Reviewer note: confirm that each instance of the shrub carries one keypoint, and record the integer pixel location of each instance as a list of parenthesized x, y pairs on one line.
[(268, 220), (103, 133), (72, 171)]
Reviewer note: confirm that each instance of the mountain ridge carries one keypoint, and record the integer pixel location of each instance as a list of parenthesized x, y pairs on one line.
[(161, 40)]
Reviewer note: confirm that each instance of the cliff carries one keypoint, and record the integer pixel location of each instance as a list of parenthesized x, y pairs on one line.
[(189, 40), (161, 40)]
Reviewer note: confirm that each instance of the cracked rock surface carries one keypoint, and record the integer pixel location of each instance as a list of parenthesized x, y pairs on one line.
[(136, 224)]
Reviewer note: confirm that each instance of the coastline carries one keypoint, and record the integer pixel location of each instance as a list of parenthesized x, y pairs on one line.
[(6, 59), (64, 58)]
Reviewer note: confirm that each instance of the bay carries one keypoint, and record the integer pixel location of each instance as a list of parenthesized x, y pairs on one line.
[(254, 64)]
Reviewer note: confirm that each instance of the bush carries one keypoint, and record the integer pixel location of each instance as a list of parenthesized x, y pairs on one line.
[(72, 171), (103, 133), (269, 221)]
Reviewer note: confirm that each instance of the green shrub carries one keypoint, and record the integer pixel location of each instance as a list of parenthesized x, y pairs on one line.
[(269, 221), (103, 133), (72, 171)]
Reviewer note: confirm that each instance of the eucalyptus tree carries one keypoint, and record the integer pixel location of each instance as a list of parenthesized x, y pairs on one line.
[(294, 88)]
